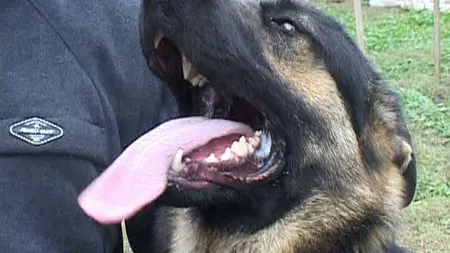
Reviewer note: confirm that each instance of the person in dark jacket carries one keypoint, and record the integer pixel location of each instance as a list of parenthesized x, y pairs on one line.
[(74, 92)]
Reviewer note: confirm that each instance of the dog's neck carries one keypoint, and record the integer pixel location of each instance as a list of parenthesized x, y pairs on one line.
[(299, 230)]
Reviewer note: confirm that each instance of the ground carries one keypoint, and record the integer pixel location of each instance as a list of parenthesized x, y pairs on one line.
[(400, 42)]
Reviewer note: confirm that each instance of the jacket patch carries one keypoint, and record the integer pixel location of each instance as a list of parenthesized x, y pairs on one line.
[(36, 131)]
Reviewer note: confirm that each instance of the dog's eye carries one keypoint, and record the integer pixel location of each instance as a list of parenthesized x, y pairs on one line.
[(284, 24), (288, 27)]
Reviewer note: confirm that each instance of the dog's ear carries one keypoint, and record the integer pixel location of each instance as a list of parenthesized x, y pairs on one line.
[(392, 137)]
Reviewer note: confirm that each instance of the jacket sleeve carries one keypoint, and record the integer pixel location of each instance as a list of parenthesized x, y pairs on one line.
[(56, 135), (41, 78), (74, 92)]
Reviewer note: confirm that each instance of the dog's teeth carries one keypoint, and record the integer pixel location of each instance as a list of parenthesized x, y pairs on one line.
[(202, 82), (159, 36), (244, 150), (227, 155), (188, 69), (176, 163), (212, 159), (234, 146), (191, 74), (196, 80), (240, 148), (251, 149), (254, 141)]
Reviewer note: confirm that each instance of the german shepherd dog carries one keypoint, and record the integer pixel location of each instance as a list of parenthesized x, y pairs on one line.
[(328, 163)]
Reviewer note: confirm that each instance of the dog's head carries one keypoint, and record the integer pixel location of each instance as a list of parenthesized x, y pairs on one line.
[(321, 139), (329, 123)]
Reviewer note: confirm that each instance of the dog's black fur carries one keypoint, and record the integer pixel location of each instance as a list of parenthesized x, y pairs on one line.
[(347, 164)]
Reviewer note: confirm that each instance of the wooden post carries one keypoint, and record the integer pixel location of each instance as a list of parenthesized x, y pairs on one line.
[(437, 42), (359, 24)]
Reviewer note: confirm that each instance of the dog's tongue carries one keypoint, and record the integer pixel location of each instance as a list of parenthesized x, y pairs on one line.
[(138, 176)]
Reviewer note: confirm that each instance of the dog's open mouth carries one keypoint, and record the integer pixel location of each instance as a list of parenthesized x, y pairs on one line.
[(220, 140), (244, 157)]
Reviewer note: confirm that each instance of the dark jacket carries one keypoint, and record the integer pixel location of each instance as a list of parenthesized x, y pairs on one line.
[(76, 69)]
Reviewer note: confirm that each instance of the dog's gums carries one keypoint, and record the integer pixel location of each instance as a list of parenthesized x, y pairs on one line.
[(226, 160), (224, 164)]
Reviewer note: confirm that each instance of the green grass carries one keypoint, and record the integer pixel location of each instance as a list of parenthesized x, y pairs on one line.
[(428, 226), (400, 42)]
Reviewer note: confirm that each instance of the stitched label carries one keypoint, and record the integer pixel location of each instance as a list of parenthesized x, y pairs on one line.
[(36, 131)]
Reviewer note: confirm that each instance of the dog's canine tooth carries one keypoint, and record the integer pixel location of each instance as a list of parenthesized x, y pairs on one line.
[(176, 163), (212, 159), (191, 74), (159, 36), (188, 68), (227, 155)]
